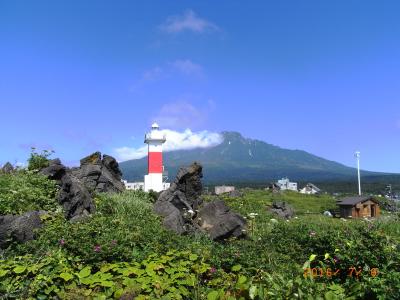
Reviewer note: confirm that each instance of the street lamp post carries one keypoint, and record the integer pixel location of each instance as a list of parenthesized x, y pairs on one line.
[(357, 156)]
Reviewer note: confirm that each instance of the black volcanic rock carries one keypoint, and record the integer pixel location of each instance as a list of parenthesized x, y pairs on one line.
[(75, 198), (220, 222), (96, 174), (178, 206), (282, 209), (100, 174), (19, 228), (188, 181), (55, 170)]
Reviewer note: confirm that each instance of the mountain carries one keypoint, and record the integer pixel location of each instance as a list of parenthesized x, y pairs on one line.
[(239, 159)]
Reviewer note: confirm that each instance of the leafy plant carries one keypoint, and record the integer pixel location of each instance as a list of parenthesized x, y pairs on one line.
[(40, 160), (26, 190)]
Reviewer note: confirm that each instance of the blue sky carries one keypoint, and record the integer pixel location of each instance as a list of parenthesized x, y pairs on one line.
[(321, 76)]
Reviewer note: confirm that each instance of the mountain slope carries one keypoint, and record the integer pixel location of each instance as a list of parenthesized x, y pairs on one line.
[(238, 159)]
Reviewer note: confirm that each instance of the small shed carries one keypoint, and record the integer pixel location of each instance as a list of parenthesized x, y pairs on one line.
[(359, 207)]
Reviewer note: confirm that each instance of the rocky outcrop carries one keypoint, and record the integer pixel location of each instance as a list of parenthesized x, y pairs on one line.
[(178, 203), (77, 185), (75, 198), (282, 209), (19, 228), (96, 174), (100, 174), (219, 221), (182, 210), (55, 170)]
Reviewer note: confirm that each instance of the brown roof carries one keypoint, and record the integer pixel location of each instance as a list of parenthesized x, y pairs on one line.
[(356, 199)]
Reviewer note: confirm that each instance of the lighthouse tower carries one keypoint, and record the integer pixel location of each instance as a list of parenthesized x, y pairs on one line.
[(154, 179)]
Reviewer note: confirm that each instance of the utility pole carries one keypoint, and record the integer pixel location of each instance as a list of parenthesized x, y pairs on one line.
[(357, 156)]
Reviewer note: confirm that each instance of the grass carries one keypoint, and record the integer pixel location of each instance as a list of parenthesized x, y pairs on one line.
[(268, 263), (254, 200)]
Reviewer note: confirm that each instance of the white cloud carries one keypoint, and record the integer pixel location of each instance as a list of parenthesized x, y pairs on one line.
[(189, 21), (126, 153), (175, 141), (187, 67), (152, 74), (179, 114)]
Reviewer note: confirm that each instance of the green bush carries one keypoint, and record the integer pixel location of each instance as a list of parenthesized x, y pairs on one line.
[(38, 161), (26, 190), (124, 249)]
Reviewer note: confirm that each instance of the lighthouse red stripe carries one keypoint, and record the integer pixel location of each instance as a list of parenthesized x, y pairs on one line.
[(155, 162)]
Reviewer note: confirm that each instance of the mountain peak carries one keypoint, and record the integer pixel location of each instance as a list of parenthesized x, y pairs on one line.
[(232, 136), (243, 159)]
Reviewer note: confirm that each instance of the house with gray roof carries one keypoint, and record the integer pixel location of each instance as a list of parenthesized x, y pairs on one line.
[(359, 207)]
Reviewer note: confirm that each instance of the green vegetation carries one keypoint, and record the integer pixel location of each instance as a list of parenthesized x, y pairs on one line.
[(123, 249), (37, 160), (25, 190), (254, 200)]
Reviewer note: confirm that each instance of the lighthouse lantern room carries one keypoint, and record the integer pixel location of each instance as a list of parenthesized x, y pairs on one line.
[(154, 179)]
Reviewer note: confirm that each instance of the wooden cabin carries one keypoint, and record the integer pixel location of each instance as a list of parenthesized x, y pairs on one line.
[(359, 207)]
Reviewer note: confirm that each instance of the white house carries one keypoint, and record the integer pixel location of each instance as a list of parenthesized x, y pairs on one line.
[(285, 184), (310, 189)]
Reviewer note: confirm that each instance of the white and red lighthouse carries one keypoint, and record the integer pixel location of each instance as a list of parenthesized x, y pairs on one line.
[(154, 179)]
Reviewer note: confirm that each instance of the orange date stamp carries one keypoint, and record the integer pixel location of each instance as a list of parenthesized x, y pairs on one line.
[(329, 273)]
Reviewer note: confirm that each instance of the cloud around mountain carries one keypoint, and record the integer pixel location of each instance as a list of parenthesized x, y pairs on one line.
[(176, 140)]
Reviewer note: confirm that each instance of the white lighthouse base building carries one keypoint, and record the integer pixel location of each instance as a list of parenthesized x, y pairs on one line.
[(154, 181)]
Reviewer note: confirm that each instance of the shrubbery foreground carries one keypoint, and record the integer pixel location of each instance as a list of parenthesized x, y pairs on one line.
[(123, 251)]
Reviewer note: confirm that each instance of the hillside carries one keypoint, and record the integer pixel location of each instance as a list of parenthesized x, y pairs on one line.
[(239, 159)]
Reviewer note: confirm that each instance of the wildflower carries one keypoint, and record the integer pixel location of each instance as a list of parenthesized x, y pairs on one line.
[(97, 248), (312, 233), (213, 270), (336, 259), (252, 215), (61, 242)]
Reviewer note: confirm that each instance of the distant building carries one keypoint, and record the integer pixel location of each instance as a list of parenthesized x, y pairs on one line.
[(285, 184), (358, 207), (133, 185), (140, 185), (310, 189), (223, 189)]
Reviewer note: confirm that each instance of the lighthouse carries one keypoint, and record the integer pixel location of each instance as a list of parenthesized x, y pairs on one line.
[(154, 179)]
